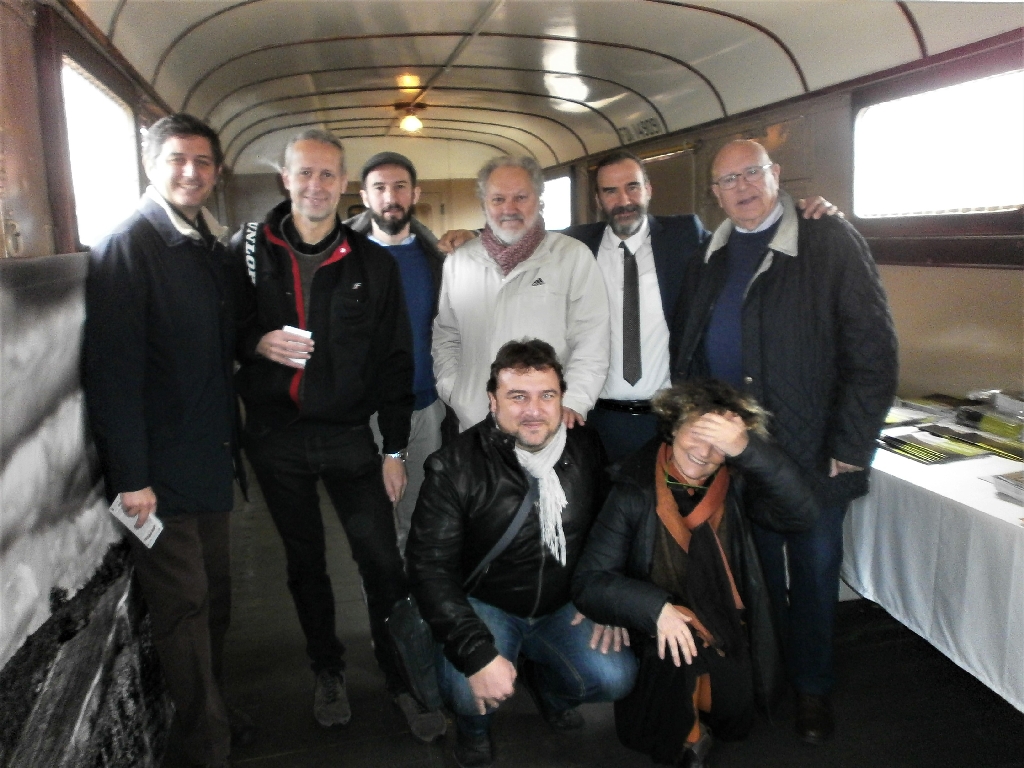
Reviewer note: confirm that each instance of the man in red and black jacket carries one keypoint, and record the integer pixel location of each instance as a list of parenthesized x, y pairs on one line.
[(324, 342)]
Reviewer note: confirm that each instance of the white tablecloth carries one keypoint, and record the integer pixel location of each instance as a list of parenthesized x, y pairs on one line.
[(944, 554)]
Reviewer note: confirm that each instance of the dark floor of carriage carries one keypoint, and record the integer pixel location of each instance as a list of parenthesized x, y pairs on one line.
[(899, 703)]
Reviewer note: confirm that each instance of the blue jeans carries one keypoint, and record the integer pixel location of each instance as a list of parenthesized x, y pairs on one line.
[(805, 614), (569, 671)]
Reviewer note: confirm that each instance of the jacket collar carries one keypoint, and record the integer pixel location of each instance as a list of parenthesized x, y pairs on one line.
[(786, 236), (173, 228)]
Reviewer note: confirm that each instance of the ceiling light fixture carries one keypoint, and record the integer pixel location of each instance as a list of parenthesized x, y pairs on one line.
[(410, 123), (408, 83)]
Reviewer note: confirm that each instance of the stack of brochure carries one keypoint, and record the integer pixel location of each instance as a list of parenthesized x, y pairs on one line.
[(1011, 484)]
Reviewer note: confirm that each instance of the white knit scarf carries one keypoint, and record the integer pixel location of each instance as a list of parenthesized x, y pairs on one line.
[(541, 465)]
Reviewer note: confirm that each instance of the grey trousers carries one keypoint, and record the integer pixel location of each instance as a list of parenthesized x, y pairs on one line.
[(424, 439)]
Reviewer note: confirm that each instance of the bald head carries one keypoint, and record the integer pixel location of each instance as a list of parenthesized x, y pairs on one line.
[(745, 182)]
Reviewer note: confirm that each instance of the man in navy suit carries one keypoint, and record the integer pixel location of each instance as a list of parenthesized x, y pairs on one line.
[(643, 259)]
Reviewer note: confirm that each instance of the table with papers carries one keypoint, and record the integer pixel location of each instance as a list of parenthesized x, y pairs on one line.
[(941, 551)]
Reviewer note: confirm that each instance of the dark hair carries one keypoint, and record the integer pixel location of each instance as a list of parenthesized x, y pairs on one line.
[(676, 405), (180, 124), (619, 156), (389, 158), (522, 355)]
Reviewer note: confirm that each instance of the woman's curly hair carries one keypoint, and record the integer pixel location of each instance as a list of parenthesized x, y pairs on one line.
[(676, 405)]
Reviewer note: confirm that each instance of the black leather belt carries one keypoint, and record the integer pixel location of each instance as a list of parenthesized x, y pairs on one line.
[(636, 407)]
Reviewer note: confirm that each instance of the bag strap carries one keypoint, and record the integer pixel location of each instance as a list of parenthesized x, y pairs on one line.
[(510, 533)]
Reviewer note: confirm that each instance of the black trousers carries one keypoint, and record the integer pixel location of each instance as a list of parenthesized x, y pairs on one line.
[(186, 581), (658, 713), (287, 464)]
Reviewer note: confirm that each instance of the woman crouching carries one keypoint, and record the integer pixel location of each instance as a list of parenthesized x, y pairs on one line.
[(670, 557)]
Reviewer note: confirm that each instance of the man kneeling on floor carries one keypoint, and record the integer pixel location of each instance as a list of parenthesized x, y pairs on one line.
[(499, 526)]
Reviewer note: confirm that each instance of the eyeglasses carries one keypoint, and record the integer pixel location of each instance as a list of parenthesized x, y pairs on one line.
[(752, 175)]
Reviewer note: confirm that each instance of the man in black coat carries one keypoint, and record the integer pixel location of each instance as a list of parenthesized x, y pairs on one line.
[(792, 311), (499, 527), (159, 339), (308, 401)]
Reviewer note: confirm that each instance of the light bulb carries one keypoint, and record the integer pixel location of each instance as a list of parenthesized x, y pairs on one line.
[(410, 123)]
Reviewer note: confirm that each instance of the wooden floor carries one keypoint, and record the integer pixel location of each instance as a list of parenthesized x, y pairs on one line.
[(899, 703)]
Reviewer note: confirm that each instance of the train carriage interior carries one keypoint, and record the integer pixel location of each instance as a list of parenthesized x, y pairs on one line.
[(836, 90)]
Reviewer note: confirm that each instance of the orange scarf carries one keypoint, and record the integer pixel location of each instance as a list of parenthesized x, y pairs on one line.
[(710, 509)]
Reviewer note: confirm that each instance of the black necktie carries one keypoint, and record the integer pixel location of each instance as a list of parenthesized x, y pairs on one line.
[(631, 366)]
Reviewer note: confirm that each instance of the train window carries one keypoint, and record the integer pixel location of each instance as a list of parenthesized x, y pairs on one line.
[(557, 199), (947, 151), (102, 144)]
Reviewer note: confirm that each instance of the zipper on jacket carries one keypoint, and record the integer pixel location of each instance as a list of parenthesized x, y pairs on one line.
[(540, 582)]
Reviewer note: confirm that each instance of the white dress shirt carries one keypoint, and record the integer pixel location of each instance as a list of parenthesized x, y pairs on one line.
[(653, 328)]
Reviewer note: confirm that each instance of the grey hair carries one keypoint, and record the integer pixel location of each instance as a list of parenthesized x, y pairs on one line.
[(313, 134), (528, 164)]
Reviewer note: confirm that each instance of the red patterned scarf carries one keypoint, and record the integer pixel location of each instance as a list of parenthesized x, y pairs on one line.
[(508, 256)]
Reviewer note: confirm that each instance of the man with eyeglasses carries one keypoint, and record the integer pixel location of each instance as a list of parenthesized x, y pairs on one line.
[(792, 312)]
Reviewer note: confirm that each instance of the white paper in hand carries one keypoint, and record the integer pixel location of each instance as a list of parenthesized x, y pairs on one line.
[(147, 533), (298, 332)]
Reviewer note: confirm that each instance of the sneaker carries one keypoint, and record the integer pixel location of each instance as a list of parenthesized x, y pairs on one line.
[(426, 726), (330, 702), (473, 751), (565, 720)]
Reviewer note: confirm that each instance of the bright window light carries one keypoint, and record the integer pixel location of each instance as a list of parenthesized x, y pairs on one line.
[(953, 150), (557, 199), (104, 164)]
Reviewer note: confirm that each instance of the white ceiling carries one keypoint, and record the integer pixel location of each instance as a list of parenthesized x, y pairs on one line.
[(553, 79)]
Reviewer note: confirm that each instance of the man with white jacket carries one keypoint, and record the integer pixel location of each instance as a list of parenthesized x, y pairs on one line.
[(518, 280)]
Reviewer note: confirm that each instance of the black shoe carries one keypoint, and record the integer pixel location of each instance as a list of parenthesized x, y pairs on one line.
[(565, 720), (425, 725), (814, 722), (696, 755), (473, 751), (243, 729)]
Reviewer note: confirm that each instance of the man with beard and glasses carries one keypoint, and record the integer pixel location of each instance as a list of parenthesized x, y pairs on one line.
[(390, 194), (642, 259), (518, 280), (308, 402)]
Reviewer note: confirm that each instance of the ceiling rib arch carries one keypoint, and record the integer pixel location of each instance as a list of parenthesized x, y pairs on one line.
[(915, 27), (384, 123), (114, 17), (453, 89), (653, 107), (475, 108), (621, 46), (748, 22)]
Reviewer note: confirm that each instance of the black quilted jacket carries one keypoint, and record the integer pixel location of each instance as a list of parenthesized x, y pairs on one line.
[(819, 348)]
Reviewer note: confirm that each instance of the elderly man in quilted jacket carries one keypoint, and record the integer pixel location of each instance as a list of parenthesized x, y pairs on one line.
[(792, 312)]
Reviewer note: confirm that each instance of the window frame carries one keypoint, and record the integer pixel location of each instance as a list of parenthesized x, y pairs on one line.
[(990, 239), (56, 38)]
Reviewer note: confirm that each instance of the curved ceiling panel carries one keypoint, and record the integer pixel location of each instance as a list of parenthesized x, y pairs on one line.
[(556, 79), (944, 28), (832, 42)]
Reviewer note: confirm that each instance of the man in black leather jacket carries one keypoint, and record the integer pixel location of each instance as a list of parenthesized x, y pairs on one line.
[(518, 602)]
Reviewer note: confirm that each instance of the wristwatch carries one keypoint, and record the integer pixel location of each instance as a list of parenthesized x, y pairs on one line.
[(400, 455)]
